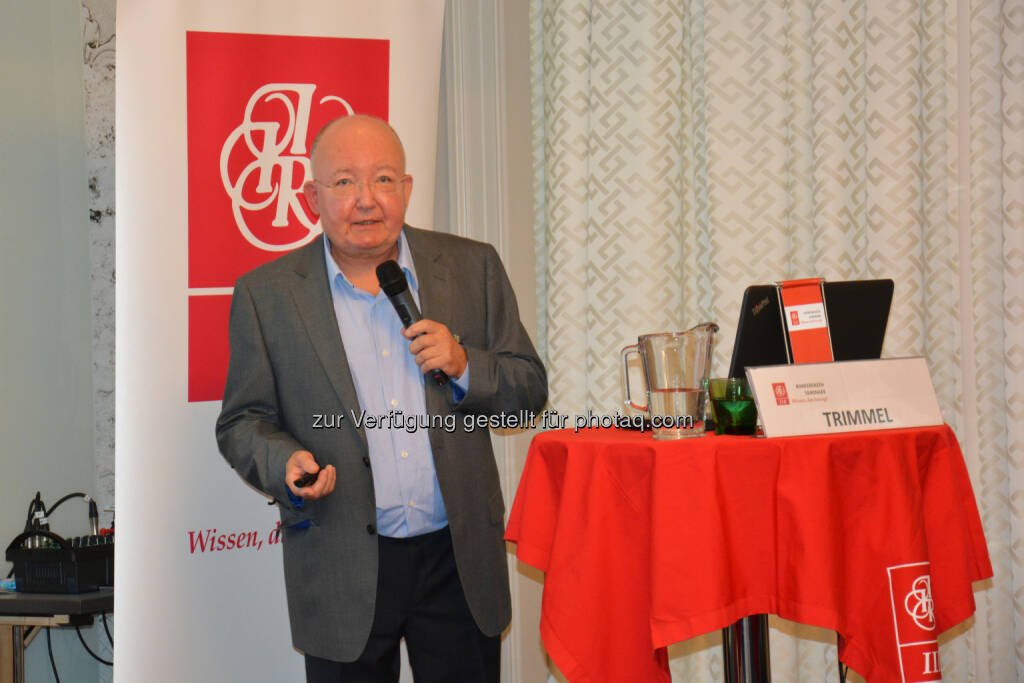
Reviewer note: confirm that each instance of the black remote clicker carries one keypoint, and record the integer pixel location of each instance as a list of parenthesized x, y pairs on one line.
[(306, 479)]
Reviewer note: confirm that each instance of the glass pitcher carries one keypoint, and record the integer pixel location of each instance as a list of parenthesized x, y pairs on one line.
[(675, 367)]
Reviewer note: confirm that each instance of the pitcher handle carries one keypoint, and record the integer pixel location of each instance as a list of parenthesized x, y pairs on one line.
[(627, 397)]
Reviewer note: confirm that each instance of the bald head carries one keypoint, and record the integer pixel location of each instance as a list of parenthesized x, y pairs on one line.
[(360, 191), (355, 124)]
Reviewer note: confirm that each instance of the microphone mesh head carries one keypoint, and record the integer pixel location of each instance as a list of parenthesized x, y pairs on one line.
[(391, 278)]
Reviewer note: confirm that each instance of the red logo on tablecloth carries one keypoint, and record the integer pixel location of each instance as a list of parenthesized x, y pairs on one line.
[(255, 102), (910, 589), (794, 319), (781, 395), (918, 603)]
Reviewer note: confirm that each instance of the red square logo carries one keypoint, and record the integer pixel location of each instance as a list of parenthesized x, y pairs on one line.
[(254, 104), (781, 395), (910, 589)]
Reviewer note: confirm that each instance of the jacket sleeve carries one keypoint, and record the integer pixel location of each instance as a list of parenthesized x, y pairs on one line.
[(507, 375), (248, 429)]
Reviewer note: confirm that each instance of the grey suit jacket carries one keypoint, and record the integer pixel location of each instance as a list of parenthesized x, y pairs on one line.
[(288, 365)]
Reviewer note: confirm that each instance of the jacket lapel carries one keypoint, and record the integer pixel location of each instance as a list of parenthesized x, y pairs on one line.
[(433, 275), (312, 295), (432, 272)]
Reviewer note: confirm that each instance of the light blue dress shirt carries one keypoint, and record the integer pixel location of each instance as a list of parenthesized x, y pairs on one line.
[(389, 383)]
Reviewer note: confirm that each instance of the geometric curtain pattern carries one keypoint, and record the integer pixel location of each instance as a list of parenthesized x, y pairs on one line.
[(994, 279), (684, 150)]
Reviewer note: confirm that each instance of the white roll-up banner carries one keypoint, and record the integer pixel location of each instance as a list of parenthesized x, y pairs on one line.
[(217, 104)]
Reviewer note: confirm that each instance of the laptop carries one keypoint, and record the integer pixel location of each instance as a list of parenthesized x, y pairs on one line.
[(857, 312)]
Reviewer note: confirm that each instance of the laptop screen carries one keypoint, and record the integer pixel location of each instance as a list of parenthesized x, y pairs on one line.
[(857, 311)]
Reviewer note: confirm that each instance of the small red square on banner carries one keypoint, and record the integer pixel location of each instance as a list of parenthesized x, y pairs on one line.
[(207, 346), (254, 105)]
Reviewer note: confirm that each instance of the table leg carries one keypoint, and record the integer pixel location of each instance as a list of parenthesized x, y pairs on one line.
[(6, 653), (12, 653), (745, 651)]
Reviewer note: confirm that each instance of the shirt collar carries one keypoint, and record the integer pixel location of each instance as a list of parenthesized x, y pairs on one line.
[(404, 262)]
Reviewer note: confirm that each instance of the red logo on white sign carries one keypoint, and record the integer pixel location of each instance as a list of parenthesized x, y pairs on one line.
[(794, 318), (781, 395), (254, 104)]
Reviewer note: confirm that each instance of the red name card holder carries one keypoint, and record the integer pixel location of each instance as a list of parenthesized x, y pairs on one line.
[(806, 320)]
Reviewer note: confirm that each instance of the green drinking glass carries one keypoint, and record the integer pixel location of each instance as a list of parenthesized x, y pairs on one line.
[(732, 405)]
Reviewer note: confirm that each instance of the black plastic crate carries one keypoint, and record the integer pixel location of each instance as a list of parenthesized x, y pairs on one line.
[(63, 569)]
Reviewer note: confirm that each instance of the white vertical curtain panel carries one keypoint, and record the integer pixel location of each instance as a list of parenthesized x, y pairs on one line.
[(684, 150)]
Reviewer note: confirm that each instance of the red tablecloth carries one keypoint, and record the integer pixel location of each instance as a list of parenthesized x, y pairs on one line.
[(875, 535)]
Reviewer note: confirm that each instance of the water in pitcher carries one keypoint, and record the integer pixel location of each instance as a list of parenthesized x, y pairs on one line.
[(676, 413)]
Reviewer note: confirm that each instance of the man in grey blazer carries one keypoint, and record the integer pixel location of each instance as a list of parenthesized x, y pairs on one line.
[(400, 532)]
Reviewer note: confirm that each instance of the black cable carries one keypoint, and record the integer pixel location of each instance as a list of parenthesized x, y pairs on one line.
[(67, 497), (103, 615), (33, 504), (89, 650), (36, 502), (49, 647)]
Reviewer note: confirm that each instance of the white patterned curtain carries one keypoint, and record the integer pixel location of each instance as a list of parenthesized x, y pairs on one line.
[(686, 149)]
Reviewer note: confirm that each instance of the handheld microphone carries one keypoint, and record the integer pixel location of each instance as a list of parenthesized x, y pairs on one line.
[(396, 287)]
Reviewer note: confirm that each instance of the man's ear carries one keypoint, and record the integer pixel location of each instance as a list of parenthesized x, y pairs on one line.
[(408, 188), (309, 191)]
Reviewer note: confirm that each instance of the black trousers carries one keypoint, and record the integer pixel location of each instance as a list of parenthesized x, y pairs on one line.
[(419, 598)]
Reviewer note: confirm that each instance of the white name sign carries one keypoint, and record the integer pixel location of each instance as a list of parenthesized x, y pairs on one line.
[(846, 396)]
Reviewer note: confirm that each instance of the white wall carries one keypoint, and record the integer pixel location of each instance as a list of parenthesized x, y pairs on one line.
[(46, 416)]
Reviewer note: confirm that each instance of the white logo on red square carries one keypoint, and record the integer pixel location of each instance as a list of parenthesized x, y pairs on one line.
[(781, 395), (254, 104)]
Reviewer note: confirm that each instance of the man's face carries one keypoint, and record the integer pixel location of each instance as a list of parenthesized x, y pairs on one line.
[(360, 190)]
